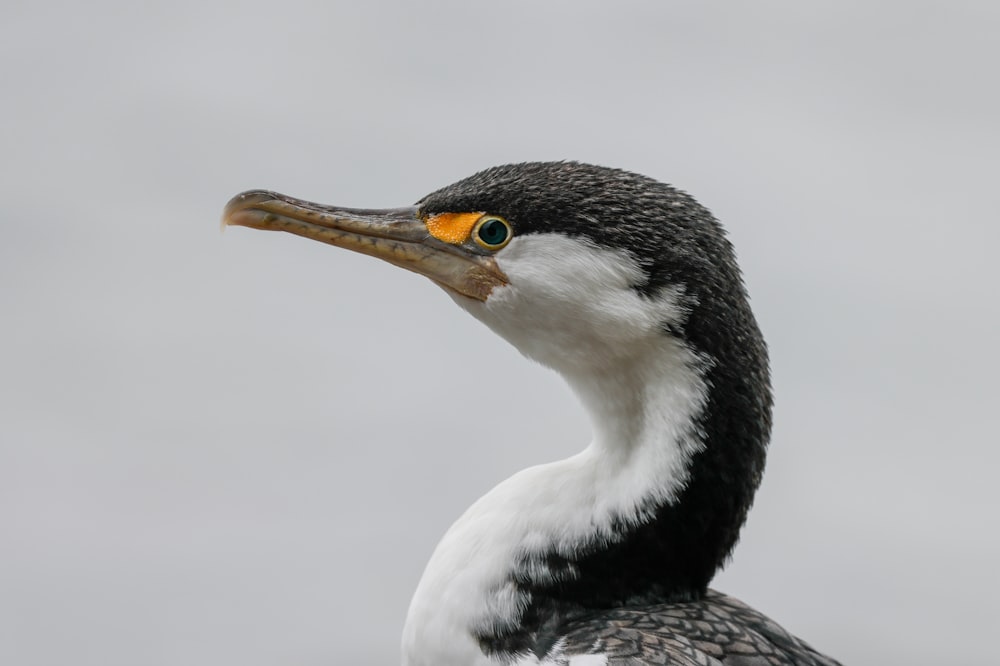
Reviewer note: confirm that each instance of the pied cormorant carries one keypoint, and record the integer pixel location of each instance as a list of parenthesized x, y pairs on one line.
[(630, 290)]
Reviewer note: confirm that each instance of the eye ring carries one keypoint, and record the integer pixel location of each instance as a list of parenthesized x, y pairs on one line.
[(492, 232)]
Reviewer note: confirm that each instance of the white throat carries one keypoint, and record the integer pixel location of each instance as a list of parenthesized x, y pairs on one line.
[(643, 390)]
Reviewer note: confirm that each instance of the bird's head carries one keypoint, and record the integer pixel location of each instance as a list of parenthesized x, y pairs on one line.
[(578, 266)]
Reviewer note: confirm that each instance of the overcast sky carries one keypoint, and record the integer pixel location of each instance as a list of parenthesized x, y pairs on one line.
[(241, 449)]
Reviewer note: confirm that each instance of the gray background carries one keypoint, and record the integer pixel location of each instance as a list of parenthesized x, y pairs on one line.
[(241, 449)]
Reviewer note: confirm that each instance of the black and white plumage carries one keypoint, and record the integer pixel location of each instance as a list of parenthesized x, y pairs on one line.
[(630, 290)]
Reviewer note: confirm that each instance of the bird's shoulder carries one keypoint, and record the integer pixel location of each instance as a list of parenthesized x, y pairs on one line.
[(716, 629)]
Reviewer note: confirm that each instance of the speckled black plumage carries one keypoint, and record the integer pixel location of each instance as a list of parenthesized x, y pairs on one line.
[(715, 629), (670, 558)]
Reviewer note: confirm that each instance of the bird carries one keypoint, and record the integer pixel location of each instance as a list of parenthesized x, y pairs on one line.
[(630, 289)]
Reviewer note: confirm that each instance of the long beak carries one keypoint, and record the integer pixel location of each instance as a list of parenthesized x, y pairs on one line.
[(397, 235)]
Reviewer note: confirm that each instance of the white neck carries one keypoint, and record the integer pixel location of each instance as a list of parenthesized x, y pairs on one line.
[(572, 306), (644, 416)]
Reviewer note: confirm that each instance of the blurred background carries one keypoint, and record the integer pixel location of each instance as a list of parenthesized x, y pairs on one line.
[(231, 449)]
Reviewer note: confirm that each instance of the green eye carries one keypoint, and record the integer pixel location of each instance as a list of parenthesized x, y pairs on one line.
[(492, 232)]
